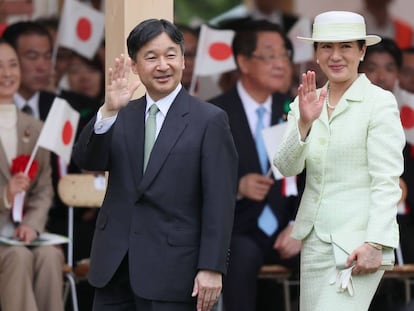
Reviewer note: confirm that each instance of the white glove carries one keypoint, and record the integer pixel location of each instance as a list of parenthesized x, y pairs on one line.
[(343, 281)]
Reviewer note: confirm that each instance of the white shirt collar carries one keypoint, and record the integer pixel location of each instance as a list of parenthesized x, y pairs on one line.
[(164, 103), (33, 102), (250, 105)]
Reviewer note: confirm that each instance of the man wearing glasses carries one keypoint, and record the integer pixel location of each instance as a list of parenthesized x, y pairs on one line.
[(264, 211)]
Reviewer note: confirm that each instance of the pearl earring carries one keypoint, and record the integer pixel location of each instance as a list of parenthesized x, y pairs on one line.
[(362, 58), (317, 61)]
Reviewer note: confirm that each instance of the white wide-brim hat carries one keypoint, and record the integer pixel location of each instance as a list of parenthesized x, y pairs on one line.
[(340, 26)]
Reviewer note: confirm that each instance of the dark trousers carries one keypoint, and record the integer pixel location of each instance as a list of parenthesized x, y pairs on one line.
[(117, 295), (241, 288)]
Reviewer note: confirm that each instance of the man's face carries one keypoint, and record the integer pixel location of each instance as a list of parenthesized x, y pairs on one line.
[(190, 42), (160, 65), (381, 69), (35, 55), (406, 76), (268, 69)]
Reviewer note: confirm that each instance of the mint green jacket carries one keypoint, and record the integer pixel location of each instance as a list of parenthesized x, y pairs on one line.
[(353, 162)]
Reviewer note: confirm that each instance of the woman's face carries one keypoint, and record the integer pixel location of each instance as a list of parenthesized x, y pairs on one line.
[(84, 78), (339, 60), (9, 72), (381, 69)]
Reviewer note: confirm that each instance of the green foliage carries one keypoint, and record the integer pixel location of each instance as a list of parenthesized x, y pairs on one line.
[(187, 10)]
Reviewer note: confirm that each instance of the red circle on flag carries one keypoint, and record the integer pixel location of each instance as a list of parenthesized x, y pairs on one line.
[(407, 117), (220, 51), (84, 29), (67, 133)]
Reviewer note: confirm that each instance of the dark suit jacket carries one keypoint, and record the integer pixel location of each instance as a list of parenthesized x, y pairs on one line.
[(247, 211), (176, 218)]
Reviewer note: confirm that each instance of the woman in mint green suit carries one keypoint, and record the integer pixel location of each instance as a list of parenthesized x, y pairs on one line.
[(349, 137)]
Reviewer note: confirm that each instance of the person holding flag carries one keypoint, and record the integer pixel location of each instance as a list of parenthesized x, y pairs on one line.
[(30, 278)]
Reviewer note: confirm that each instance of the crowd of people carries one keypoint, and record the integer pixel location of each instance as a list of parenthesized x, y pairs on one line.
[(193, 207)]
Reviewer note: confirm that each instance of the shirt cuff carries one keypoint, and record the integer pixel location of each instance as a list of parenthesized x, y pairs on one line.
[(103, 125)]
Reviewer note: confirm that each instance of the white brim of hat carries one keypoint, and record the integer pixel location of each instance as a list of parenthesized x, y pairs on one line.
[(369, 39)]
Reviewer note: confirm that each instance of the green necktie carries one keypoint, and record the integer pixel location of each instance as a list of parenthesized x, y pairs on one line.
[(150, 129)]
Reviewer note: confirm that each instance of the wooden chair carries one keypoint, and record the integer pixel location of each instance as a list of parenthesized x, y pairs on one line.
[(78, 191), (405, 274), (282, 275)]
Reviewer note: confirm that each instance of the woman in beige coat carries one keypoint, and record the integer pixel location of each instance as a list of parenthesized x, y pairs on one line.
[(30, 278), (349, 137)]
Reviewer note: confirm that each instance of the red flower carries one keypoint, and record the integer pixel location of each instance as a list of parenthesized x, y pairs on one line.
[(19, 164)]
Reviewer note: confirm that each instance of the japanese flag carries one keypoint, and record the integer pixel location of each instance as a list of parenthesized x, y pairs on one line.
[(303, 51), (214, 52), (406, 104), (81, 28), (58, 132)]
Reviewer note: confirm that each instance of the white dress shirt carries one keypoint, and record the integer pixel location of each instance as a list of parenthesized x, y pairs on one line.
[(103, 125)]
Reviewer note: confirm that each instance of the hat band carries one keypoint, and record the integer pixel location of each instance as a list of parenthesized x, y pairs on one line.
[(337, 31)]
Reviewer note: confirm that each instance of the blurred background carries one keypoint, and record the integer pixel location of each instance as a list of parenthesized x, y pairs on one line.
[(195, 12)]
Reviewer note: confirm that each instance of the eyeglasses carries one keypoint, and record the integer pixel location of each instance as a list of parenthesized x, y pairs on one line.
[(269, 58)]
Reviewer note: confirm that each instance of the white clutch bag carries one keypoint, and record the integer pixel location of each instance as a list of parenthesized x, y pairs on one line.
[(344, 243)]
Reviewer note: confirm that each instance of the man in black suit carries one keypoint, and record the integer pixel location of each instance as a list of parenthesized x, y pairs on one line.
[(263, 57), (163, 232)]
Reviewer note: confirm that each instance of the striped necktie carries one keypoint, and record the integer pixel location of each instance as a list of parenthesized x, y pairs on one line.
[(267, 220), (150, 131)]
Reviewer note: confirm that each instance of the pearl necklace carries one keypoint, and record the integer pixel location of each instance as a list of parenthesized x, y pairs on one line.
[(327, 100)]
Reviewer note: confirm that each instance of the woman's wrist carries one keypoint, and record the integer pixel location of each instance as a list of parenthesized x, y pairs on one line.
[(375, 245)]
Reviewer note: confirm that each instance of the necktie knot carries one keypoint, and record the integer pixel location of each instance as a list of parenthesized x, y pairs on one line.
[(153, 110), (27, 109), (260, 113)]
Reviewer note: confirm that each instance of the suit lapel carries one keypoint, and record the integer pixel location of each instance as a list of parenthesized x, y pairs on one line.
[(134, 128), (45, 103), (26, 135), (174, 124), (242, 135), (4, 165)]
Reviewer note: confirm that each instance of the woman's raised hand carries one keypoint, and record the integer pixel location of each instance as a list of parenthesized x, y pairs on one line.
[(310, 105)]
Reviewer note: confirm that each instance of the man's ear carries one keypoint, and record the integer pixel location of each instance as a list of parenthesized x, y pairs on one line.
[(134, 67), (242, 62)]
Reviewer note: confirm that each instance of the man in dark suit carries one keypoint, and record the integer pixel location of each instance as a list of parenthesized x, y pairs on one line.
[(163, 232), (263, 57)]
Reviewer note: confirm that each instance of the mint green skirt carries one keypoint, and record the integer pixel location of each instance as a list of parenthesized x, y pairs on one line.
[(317, 272)]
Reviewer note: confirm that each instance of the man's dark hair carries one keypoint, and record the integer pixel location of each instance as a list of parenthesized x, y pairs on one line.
[(386, 45), (245, 39), (188, 29), (409, 50), (14, 31), (148, 30)]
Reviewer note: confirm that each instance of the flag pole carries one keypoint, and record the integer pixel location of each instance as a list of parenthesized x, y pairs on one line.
[(32, 156), (193, 83)]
